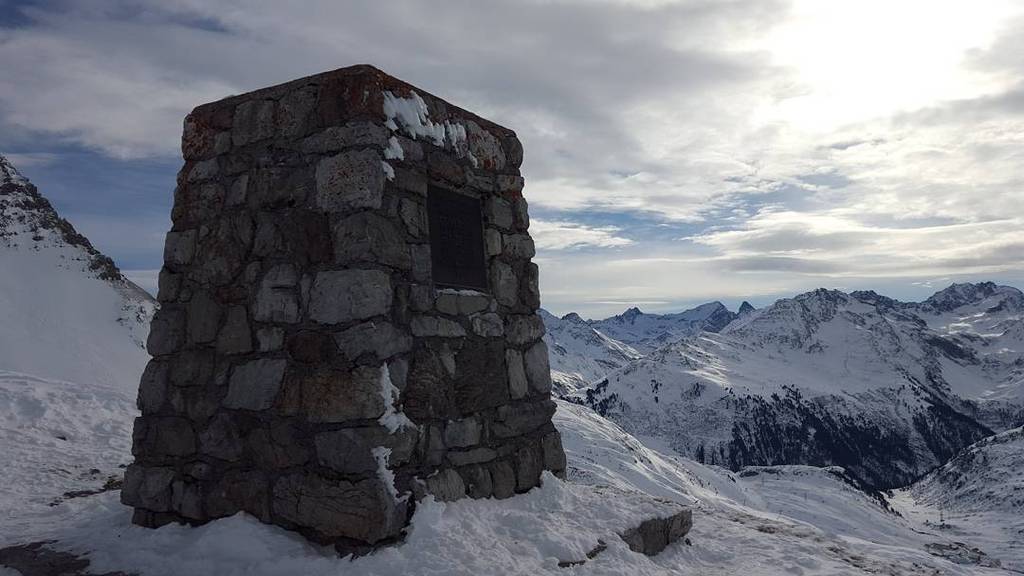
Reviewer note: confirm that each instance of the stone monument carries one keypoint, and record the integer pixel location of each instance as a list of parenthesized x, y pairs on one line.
[(348, 316)]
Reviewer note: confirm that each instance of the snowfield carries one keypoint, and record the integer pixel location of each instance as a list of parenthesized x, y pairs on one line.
[(780, 520)]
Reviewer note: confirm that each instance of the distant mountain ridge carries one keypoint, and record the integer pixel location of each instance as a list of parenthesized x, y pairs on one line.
[(583, 351), (887, 389)]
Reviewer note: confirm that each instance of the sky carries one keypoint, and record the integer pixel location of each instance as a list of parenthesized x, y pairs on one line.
[(676, 152)]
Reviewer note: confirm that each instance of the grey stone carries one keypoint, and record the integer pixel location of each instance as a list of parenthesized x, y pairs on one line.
[(528, 465), (499, 213), (485, 148), (295, 110), (446, 485), (222, 142), (368, 237), (279, 446), (346, 295), (411, 180), (337, 396), (253, 121), (523, 329), (187, 500), (399, 369), (221, 439), (191, 368), (488, 325), (503, 479), (237, 491), (421, 297), (421, 267), (204, 170), (461, 303), (179, 248), (447, 303), (352, 135), (414, 216), (350, 450), (270, 339), (531, 285), (166, 332), (504, 283), (254, 385), (521, 209), (235, 337), (521, 419), (538, 369), (363, 510), (474, 456), (239, 191), (554, 454), (513, 151), (477, 480), (519, 246), (517, 383), (148, 487), (412, 151), (435, 326), (276, 300), (168, 286), (153, 387), (480, 375), (655, 534), (462, 433), (280, 186), (163, 436), (203, 318), (381, 339), (508, 184), (492, 242), (350, 180)]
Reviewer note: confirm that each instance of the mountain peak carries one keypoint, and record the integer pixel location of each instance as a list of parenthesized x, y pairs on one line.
[(573, 318), (9, 174), (631, 313), (746, 308), (956, 295)]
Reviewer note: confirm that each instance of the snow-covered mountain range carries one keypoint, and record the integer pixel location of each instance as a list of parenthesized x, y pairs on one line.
[(887, 389)]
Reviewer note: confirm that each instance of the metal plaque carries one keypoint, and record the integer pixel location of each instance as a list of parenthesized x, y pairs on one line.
[(456, 240)]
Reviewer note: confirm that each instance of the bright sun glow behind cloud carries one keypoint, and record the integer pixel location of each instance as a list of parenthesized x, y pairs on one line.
[(860, 60)]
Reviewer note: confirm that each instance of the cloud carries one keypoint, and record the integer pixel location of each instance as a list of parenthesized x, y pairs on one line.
[(561, 235), (776, 148), (838, 245)]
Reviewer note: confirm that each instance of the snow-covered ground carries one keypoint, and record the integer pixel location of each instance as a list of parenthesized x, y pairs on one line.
[(782, 520)]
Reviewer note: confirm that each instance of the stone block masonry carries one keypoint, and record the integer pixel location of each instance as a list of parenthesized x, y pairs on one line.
[(348, 316)]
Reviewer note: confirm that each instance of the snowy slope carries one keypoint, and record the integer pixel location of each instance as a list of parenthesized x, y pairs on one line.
[(772, 521), (825, 378), (66, 312), (72, 331), (647, 332), (978, 497), (579, 353)]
